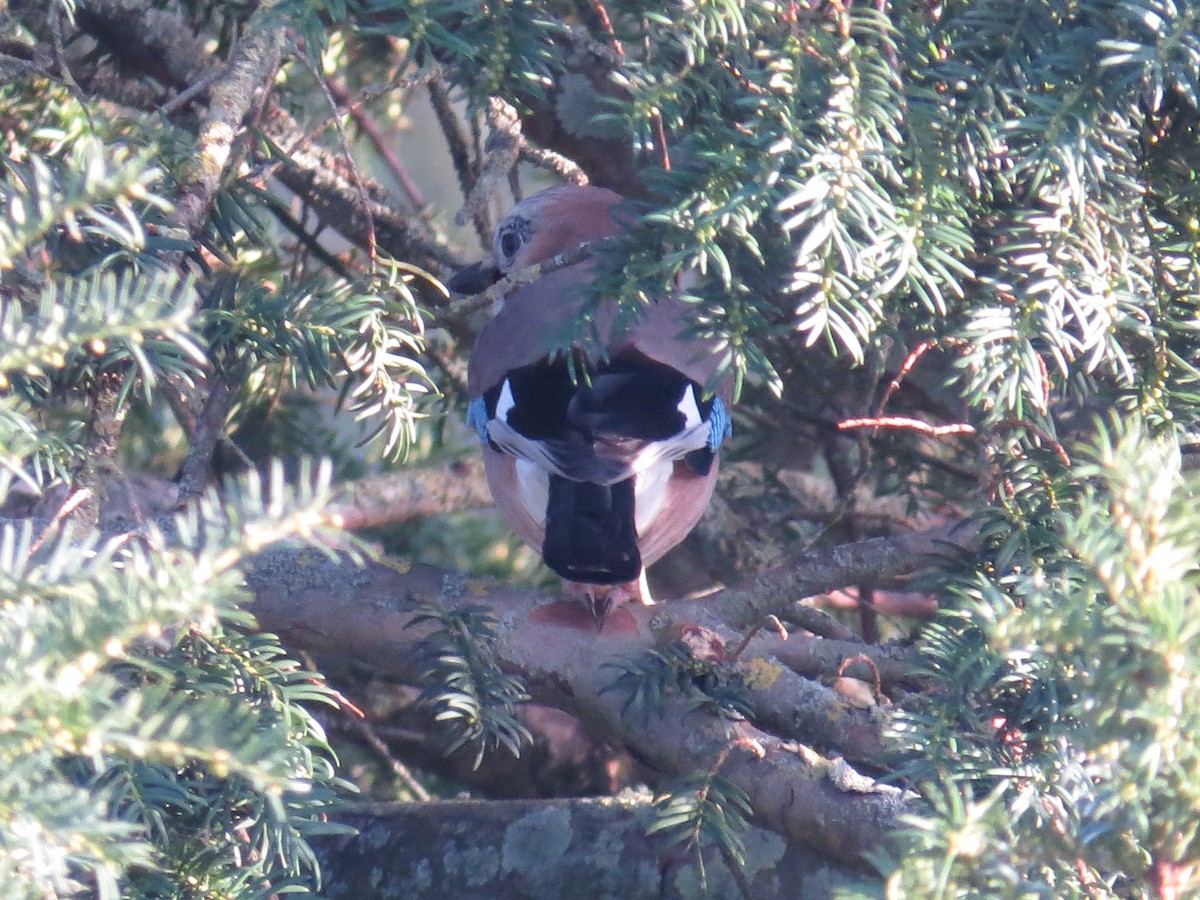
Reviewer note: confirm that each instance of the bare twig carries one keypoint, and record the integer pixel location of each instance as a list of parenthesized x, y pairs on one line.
[(371, 128), (905, 367), (348, 155), (870, 664), (660, 140), (902, 422), (1041, 433), (210, 426), (819, 571), (399, 769), (500, 154), (316, 176), (528, 275), (889, 49), (868, 616), (460, 153), (560, 165), (311, 242), (68, 506), (606, 24), (773, 621), (818, 622), (60, 60), (199, 86)]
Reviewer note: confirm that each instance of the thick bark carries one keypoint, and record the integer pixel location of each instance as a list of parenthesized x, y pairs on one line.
[(792, 763), (820, 571), (554, 849), (412, 492), (102, 443)]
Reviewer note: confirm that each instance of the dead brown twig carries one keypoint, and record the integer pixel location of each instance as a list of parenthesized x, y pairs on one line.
[(905, 423), (876, 681)]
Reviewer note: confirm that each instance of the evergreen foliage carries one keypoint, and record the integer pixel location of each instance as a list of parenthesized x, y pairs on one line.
[(703, 807), (1062, 758), (675, 671), (981, 212), (465, 687), (150, 746)]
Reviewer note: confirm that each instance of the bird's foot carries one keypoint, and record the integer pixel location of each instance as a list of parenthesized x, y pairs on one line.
[(602, 599), (597, 606)]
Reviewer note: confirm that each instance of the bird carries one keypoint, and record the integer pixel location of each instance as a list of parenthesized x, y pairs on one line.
[(602, 458)]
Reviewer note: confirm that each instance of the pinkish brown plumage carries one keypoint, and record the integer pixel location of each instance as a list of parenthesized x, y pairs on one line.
[(604, 474)]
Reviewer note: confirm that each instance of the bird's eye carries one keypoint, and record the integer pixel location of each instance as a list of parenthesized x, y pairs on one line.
[(510, 243)]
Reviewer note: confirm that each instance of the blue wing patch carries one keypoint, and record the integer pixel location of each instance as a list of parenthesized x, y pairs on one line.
[(477, 418), (720, 426)]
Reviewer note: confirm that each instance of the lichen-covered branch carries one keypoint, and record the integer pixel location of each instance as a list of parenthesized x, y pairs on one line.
[(150, 42), (252, 68), (787, 762), (501, 152), (522, 849), (412, 492), (98, 463), (819, 571), (232, 99)]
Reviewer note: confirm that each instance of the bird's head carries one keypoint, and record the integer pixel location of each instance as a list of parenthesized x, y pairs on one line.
[(554, 221)]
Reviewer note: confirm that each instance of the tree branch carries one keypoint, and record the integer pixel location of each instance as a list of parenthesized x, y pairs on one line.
[(501, 151), (379, 140), (409, 493), (210, 428), (102, 444), (465, 168), (251, 71), (252, 68), (818, 571), (330, 607), (152, 41), (449, 849), (148, 41)]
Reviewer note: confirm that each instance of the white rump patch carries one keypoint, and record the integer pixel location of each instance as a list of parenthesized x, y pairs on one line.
[(534, 482), (650, 493)]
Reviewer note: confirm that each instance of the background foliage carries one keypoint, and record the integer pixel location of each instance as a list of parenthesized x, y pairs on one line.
[(973, 224)]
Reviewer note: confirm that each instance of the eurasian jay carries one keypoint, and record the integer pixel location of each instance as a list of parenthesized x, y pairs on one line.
[(605, 464)]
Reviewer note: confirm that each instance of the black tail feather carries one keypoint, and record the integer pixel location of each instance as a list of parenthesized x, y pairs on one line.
[(590, 532)]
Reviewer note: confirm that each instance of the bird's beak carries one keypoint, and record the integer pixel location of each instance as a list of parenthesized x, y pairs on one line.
[(475, 278)]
